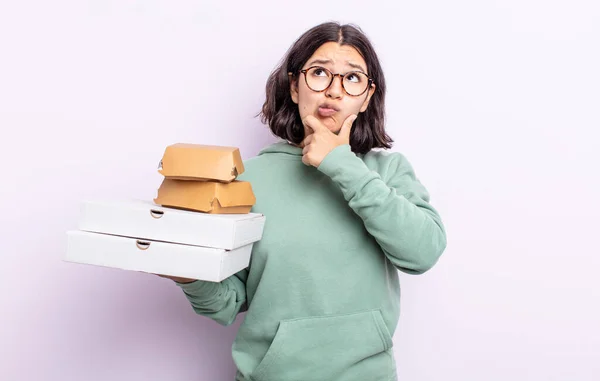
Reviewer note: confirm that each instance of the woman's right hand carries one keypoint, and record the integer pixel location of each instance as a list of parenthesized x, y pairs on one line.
[(177, 279)]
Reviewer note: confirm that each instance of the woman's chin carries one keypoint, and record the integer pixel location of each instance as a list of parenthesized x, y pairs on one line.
[(335, 129), (331, 125)]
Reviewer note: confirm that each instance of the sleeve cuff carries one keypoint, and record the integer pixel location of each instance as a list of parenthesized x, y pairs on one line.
[(200, 288), (330, 163)]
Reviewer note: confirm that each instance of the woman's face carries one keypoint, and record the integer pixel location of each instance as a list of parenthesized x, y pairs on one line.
[(333, 105)]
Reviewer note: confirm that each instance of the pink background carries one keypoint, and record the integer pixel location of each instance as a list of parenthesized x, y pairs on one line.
[(494, 103)]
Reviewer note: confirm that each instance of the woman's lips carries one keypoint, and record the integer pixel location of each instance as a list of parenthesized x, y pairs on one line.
[(326, 111)]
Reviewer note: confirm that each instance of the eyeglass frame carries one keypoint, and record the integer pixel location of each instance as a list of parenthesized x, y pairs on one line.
[(333, 75)]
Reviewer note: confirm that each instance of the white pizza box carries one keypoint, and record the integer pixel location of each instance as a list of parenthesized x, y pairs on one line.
[(147, 220), (187, 261)]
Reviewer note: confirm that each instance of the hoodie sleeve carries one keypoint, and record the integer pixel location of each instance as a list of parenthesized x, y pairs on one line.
[(393, 205), (220, 301)]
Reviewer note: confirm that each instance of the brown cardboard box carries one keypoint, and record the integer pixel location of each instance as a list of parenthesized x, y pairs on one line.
[(207, 196), (201, 162)]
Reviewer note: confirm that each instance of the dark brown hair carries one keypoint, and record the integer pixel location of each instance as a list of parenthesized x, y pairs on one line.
[(281, 114)]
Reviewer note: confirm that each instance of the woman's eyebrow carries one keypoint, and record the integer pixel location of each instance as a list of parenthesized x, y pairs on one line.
[(325, 62), (356, 66)]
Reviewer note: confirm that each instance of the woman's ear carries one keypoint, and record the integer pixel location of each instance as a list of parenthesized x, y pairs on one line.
[(365, 104), (293, 88)]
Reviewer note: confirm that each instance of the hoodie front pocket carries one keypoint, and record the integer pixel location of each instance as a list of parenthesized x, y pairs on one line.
[(328, 347)]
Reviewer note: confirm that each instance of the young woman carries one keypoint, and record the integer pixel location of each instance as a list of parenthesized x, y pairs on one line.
[(321, 293)]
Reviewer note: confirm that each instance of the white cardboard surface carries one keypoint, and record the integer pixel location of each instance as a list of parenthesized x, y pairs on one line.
[(127, 253), (145, 219)]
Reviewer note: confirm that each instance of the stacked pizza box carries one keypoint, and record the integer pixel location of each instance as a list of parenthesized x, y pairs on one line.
[(199, 225)]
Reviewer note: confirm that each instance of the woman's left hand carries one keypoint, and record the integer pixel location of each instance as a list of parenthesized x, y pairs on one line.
[(322, 141)]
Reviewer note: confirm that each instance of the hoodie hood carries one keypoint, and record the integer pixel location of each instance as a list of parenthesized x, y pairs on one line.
[(282, 147)]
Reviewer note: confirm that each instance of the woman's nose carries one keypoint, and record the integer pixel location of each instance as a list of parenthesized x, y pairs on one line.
[(335, 90)]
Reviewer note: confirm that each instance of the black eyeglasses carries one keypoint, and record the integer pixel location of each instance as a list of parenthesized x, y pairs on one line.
[(319, 79)]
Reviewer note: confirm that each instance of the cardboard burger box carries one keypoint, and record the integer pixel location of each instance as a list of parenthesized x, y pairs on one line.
[(202, 178), (200, 226), (208, 197), (183, 161)]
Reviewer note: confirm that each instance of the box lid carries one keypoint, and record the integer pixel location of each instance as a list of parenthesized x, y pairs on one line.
[(147, 220), (201, 162)]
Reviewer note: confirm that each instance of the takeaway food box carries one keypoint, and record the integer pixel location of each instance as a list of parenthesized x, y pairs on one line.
[(198, 227)]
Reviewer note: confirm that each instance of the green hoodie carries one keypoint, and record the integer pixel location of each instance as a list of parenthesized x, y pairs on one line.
[(322, 294)]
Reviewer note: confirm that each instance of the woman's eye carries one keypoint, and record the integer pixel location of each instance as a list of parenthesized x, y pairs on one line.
[(353, 77), (320, 72)]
